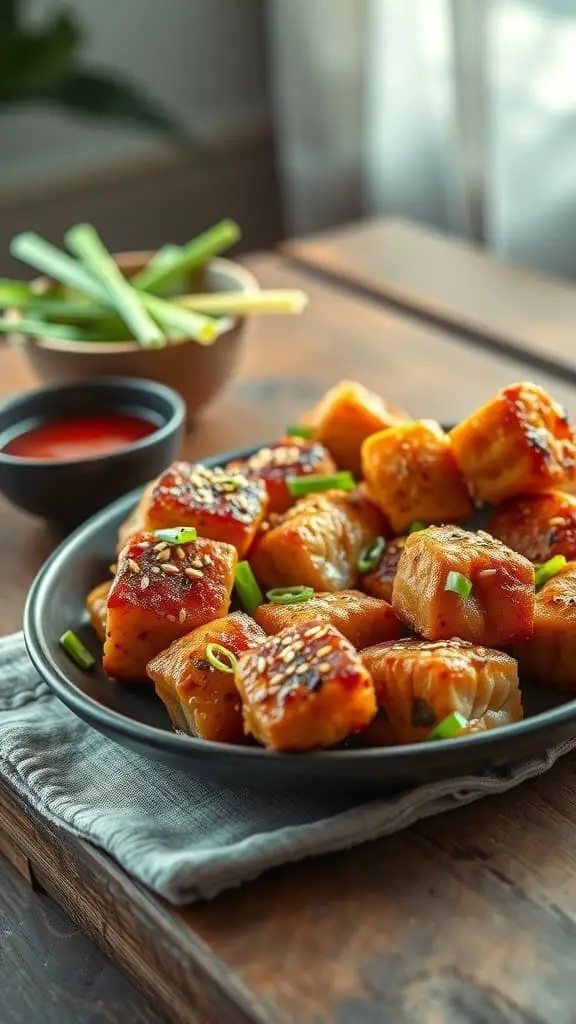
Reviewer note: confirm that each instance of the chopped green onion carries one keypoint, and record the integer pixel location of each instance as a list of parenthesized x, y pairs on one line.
[(61, 332), (177, 534), (370, 555), (299, 485), (458, 584), (184, 323), (197, 252), (46, 258), (449, 727), (76, 650), (247, 587), (416, 527), (221, 658), (300, 431), (272, 300), (289, 595), (548, 569), (85, 243)]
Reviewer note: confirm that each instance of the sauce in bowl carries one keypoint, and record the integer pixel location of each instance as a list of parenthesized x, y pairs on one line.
[(80, 438)]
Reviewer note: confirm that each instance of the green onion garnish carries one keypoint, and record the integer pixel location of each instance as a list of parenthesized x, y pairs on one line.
[(417, 526), (370, 555), (297, 431), (75, 648), (449, 727), (177, 534), (85, 242), (289, 595), (247, 587), (458, 584), (221, 658), (300, 485), (548, 569), (200, 250)]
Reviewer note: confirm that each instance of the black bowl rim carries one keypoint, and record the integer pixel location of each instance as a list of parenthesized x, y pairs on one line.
[(490, 744), (127, 385)]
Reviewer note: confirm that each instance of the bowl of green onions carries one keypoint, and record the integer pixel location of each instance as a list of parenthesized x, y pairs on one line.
[(177, 316)]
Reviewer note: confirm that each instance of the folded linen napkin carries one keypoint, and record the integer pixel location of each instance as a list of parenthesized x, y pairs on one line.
[(189, 838)]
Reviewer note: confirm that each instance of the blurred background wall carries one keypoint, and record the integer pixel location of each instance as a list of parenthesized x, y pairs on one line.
[(204, 61), (460, 114)]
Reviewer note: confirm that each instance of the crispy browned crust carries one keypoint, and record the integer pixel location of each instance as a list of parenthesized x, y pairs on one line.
[(304, 688), (500, 607), (419, 683), (411, 474), (518, 443)]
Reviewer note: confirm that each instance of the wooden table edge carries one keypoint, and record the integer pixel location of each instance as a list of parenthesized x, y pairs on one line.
[(120, 916), (397, 299)]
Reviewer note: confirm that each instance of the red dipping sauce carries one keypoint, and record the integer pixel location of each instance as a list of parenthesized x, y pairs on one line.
[(82, 438)]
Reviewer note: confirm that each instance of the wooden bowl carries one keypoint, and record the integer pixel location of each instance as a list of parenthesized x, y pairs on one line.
[(197, 372)]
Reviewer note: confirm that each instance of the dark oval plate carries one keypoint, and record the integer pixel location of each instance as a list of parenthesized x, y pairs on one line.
[(134, 717)]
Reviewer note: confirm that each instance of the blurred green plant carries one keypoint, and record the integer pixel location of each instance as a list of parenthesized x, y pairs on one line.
[(44, 66)]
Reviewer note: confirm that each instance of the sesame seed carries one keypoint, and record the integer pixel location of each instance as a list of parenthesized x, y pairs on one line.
[(182, 615), (312, 632), (132, 565), (155, 569), (180, 553), (557, 521), (322, 632), (170, 568), (161, 546), (207, 560), (302, 669), (143, 544), (298, 645), (145, 582), (278, 678), (171, 618), (288, 656), (487, 572), (323, 651), (324, 667), (287, 640), (194, 574), (163, 555), (197, 563), (261, 664)]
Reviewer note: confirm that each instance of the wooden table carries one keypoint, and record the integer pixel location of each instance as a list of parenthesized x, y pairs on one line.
[(466, 918)]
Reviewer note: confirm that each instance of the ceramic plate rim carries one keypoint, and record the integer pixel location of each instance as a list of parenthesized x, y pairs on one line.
[(107, 719)]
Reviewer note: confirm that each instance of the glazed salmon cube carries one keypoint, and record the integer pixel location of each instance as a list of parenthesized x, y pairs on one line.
[(200, 698), (293, 456), (361, 619), (304, 688), (159, 593), (538, 526), (412, 475), (96, 605), (318, 542), (500, 605), (345, 417), (419, 683), (519, 443), (380, 581), (222, 505), (550, 655)]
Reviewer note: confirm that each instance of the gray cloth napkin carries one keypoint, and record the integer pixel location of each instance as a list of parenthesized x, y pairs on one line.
[(187, 838)]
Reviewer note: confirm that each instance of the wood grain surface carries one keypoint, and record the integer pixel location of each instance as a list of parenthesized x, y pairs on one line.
[(500, 306), (465, 919)]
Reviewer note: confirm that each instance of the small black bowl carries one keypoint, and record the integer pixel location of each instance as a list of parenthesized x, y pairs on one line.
[(66, 492)]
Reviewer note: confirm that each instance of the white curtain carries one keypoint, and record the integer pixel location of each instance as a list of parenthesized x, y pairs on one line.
[(457, 113)]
